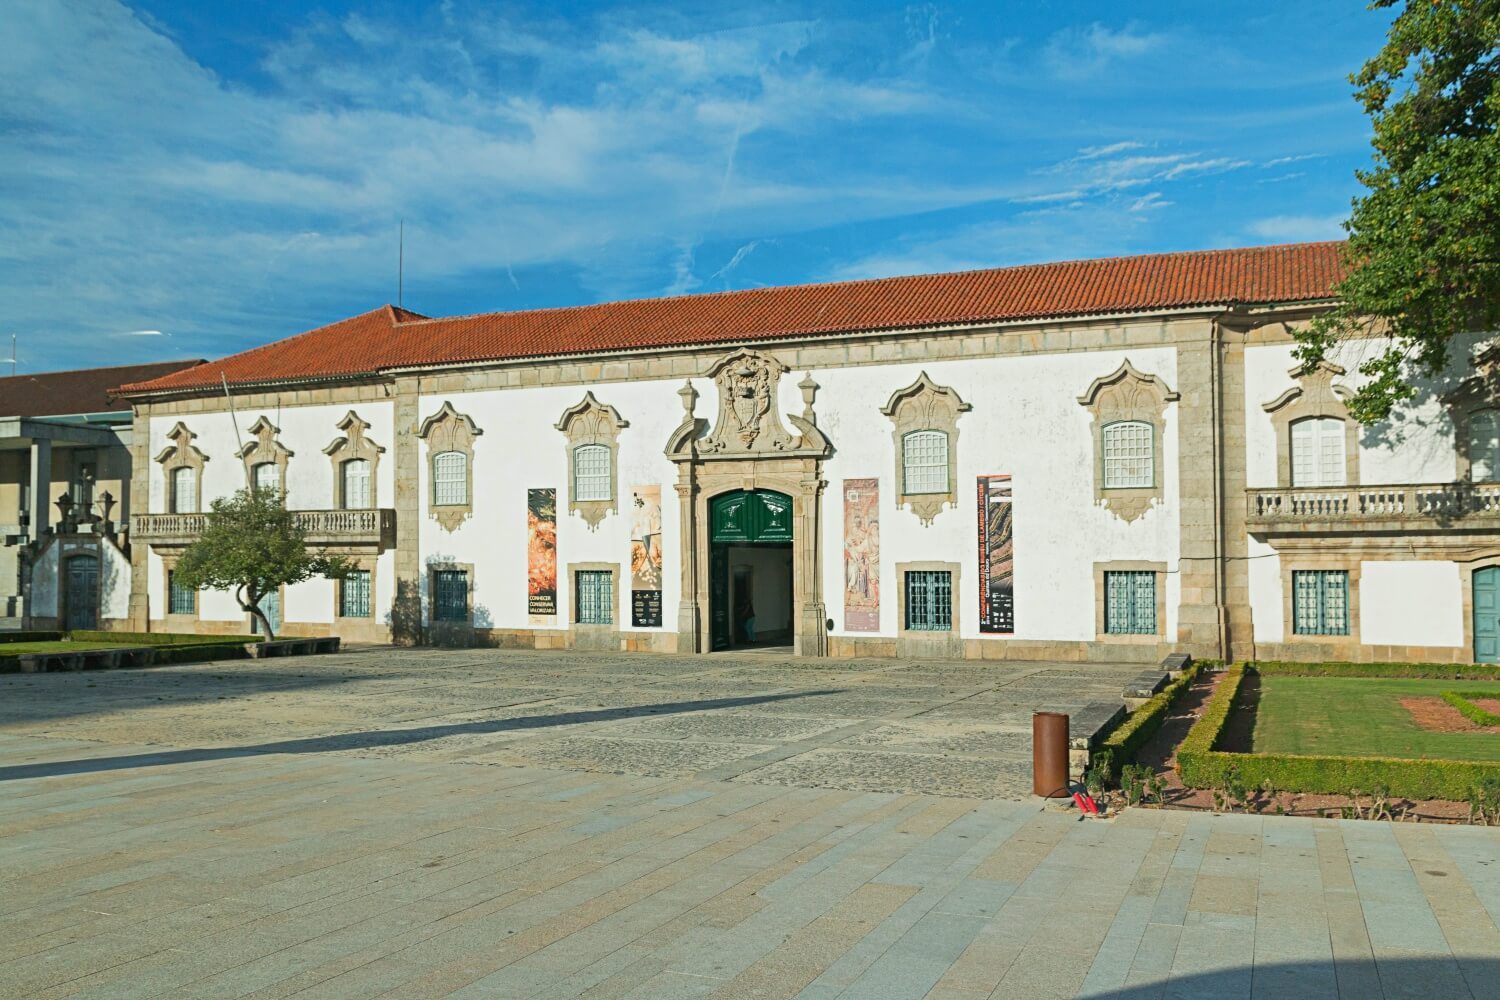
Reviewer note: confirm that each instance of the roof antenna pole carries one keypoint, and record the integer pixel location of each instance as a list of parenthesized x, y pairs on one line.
[(400, 262)]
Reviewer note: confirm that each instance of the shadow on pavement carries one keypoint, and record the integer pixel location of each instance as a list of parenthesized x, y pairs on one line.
[(1349, 979), (380, 738)]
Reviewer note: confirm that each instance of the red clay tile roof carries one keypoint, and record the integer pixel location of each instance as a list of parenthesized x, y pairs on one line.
[(389, 338), (84, 390)]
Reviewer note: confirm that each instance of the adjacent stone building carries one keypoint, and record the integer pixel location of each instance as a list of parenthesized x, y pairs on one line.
[(65, 454), (1104, 460)]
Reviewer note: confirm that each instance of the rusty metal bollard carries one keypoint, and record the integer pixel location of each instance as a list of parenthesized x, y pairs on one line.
[(1049, 754)]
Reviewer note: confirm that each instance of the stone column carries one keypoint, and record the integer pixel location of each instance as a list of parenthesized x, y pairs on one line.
[(812, 624), (406, 608), (1234, 479), (138, 498), (41, 488), (689, 621), (1200, 616)]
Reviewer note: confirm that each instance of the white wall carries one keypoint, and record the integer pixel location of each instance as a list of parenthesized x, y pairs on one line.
[(114, 582), (1411, 603), (1266, 595)]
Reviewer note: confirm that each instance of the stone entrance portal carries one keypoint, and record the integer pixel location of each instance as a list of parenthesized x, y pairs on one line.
[(747, 474)]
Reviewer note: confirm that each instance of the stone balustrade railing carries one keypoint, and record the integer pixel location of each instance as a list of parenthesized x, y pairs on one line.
[(1438, 503), (323, 527)]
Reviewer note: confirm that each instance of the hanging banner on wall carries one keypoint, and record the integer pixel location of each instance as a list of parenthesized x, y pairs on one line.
[(861, 555), (541, 552), (997, 581), (645, 556)]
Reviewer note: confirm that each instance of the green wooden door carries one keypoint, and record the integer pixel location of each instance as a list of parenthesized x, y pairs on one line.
[(1487, 615), (747, 517), (718, 596)]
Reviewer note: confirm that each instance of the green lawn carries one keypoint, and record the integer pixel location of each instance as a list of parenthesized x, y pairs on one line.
[(1361, 717), (15, 648)]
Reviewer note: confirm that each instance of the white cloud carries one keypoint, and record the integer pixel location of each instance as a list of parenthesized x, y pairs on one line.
[(1298, 228), (1077, 53), (1149, 202)]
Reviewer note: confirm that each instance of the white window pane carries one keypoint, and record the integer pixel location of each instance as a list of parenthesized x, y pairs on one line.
[(184, 491), (925, 460), (357, 484), (265, 476), (591, 473), (1129, 455), (449, 471), (1318, 452), (1484, 446)]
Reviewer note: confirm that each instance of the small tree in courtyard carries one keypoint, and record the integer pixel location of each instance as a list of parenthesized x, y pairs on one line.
[(252, 547)]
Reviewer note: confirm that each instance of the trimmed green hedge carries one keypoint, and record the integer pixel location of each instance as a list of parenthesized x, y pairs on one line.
[(1202, 766), (1137, 728), (1472, 712), (30, 637), (163, 638), (1412, 671)]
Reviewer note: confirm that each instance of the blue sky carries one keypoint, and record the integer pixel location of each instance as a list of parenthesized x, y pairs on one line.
[(231, 173)]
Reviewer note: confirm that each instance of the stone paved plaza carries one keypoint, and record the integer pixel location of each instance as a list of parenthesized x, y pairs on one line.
[(487, 824)]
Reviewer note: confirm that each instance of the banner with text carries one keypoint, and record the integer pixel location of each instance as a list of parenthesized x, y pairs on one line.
[(541, 552), (645, 556), (997, 582)]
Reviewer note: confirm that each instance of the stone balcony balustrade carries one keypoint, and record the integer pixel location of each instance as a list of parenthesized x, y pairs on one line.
[(1370, 509), (374, 528)]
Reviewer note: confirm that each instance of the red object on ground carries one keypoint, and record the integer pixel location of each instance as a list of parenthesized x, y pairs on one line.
[(1086, 803)]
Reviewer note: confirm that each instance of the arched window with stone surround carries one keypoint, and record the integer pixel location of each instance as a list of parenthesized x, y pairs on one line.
[(924, 461), (592, 476), (1318, 452), (450, 478), (1484, 446), (1129, 455), (184, 490), (266, 476), (356, 493)]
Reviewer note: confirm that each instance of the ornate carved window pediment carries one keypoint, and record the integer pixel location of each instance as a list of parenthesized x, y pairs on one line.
[(449, 432), (1314, 396), (1129, 411), (926, 429), (353, 446), (593, 433), (182, 454), (265, 449)]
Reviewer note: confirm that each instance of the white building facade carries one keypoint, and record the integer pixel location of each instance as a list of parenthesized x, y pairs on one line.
[(1105, 460)]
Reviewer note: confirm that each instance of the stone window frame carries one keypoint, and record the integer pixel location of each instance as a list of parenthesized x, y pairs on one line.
[(1314, 395), (925, 406), (1127, 395), (182, 454), (1101, 600), (928, 566), (449, 430), (1480, 391), (366, 564), (1330, 646), (613, 569), (266, 449), (352, 445), (590, 422), (445, 565)]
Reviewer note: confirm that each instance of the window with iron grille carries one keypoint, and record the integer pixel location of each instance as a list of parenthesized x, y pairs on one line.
[(1129, 455), (1484, 446), (924, 457), (357, 484), (1320, 602), (591, 478), (184, 491), (595, 600), (929, 600), (450, 595), (1129, 602), (450, 478), (354, 595), (180, 600), (1318, 452), (266, 477)]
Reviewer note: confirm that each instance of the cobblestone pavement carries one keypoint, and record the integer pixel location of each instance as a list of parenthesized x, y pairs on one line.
[(326, 830), (876, 725)]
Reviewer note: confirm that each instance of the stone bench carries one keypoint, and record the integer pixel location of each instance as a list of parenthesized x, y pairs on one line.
[(301, 646), (87, 659), (1143, 687), (1084, 729)]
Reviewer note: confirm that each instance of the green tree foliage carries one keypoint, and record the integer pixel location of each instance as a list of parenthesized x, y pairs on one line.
[(1424, 242), (251, 547)]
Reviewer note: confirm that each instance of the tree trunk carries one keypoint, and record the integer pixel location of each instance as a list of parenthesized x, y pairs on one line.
[(253, 608)]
